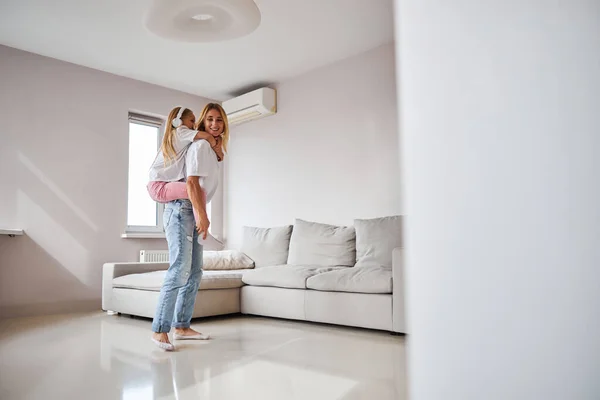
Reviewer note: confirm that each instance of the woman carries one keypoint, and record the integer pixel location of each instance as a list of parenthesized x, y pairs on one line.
[(178, 293)]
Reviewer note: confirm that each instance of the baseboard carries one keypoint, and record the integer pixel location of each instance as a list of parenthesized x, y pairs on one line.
[(63, 307)]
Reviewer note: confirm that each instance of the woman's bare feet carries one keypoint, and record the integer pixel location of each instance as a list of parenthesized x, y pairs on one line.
[(189, 333), (161, 339)]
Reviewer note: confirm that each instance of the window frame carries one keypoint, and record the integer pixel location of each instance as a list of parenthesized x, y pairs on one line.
[(159, 123)]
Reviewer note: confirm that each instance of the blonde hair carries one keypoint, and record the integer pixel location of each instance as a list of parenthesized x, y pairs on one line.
[(167, 148), (202, 127)]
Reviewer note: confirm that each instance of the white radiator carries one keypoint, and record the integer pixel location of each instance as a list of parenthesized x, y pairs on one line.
[(154, 256)]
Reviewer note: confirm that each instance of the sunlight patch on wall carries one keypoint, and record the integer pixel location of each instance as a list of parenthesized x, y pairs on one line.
[(53, 238), (57, 191)]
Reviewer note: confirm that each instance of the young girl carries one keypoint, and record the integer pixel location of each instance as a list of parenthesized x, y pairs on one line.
[(168, 169)]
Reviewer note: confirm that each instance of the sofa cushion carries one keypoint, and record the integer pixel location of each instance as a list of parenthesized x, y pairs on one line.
[(323, 245), (376, 239), (153, 280), (267, 246), (283, 276), (225, 260), (369, 279)]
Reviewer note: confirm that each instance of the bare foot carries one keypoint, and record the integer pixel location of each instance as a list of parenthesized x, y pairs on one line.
[(189, 333), (186, 332), (161, 339)]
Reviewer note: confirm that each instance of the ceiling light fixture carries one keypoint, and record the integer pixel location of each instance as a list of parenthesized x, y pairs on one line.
[(202, 20), (202, 17)]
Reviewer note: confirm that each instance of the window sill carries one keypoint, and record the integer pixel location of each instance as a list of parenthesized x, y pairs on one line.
[(143, 235), (11, 232)]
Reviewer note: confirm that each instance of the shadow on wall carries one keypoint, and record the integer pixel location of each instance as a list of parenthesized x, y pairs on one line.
[(56, 266), (56, 191), (55, 222), (32, 281)]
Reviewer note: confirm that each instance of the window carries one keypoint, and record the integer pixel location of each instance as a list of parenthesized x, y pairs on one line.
[(144, 215)]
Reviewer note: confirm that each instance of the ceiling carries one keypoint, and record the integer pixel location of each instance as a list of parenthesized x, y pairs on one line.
[(295, 36)]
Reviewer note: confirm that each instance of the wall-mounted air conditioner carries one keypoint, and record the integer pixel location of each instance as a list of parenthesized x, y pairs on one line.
[(257, 104)]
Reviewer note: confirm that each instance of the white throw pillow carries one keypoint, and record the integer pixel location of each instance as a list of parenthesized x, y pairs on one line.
[(267, 246), (323, 245), (376, 239), (226, 260), (212, 243)]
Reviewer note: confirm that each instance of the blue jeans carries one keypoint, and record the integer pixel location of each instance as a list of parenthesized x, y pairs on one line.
[(178, 293)]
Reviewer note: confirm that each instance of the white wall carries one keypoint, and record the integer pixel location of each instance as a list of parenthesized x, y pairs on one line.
[(500, 121), (328, 155), (63, 178)]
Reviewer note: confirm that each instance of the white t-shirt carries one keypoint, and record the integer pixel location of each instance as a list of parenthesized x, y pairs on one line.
[(201, 161), (173, 170)]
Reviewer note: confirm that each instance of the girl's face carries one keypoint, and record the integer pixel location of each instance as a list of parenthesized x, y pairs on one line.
[(189, 120), (213, 122)]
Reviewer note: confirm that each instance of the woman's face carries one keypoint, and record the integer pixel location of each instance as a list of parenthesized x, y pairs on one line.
[(189, 120), (213, 122)]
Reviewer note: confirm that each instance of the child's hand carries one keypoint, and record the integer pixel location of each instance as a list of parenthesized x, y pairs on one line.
[(218, 149), (211, 139)]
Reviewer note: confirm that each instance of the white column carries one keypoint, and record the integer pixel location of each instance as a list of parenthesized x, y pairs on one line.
[(499, 111)]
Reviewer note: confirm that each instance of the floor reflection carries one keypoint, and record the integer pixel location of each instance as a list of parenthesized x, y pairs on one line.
[(247, 358)]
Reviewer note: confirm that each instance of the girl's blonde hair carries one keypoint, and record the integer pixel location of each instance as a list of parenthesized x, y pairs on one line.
[(201, 127), (167, 148)]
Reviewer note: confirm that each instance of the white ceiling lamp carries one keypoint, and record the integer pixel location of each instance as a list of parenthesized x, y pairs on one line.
[(202, 20)]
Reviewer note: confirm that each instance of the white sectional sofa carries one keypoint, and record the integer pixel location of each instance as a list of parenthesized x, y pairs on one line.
[(349, 276)]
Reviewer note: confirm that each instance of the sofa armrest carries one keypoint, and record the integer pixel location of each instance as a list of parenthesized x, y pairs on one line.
[(111, 271), (398, 317)]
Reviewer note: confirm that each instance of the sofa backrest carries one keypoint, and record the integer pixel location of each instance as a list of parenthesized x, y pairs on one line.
[(369, 242), (376, 239), (267, 246), (323, 245)]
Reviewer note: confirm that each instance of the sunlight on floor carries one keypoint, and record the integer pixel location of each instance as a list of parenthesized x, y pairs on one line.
[(248, 358)]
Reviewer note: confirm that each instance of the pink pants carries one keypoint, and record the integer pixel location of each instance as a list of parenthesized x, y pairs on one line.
[(164, 192)]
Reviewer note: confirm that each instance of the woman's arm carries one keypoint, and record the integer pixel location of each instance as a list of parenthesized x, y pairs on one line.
[(198, 199)]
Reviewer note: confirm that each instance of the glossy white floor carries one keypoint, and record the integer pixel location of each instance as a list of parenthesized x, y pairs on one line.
[(100, 356)]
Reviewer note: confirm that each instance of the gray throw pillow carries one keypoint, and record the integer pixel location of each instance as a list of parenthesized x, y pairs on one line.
[(375, 240), (322, 245), (267, 246)]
